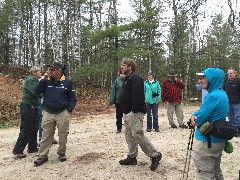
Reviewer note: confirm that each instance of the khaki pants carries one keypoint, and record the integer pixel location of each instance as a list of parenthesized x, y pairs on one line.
[(50, 121), (178, 108), (207, 160), (134, 134)]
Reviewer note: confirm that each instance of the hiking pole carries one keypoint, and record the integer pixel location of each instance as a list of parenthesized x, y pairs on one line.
[(189, 151)]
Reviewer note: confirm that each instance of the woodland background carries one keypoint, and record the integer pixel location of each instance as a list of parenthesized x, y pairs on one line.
[(91, 37)]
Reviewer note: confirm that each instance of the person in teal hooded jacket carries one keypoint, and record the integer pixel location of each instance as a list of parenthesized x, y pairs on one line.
[(114, 99), (152, 91), (214, 107)]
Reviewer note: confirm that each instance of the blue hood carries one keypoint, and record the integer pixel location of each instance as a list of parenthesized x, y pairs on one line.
[(215, 77)]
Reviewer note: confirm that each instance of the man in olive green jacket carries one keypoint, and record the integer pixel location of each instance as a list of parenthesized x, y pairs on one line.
[(114, 99)]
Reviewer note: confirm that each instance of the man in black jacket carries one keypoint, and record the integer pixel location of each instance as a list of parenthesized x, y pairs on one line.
[(132, 102), (59, 100), (232, 88)]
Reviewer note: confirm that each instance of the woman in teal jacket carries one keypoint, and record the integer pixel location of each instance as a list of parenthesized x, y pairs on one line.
[(114, 99), (152, 91), (214, 107)]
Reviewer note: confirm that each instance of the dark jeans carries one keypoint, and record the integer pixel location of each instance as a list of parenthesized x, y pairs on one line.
[(28, 129), (152, 116), (119, 116), (40, 110), (234, 115)]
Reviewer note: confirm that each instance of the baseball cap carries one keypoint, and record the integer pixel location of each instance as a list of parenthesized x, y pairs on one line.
[(55, 65), (200, 74)]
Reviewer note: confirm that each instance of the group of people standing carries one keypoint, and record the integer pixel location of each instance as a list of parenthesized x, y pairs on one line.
[(134, 95), (170, 93), (133, 98)]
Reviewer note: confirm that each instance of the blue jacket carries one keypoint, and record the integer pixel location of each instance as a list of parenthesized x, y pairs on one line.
[(215, 105), (58, 95), (149, 88)]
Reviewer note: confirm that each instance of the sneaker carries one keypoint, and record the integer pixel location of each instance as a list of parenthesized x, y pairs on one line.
[(62, 157), (19, 155), (173, 126), (118, 131), (183, 126), (148, 130), (157, 130), (40, 161), (128, 161), (155, 161), (32, 150), (54, 141)]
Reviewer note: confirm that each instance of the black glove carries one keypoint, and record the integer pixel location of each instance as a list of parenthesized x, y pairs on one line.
[(190, 126)]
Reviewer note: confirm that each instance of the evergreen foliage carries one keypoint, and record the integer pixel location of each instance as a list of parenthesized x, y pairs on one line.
[(91, 37)]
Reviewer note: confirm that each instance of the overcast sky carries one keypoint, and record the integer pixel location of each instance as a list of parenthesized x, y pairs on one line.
[(210, 8)]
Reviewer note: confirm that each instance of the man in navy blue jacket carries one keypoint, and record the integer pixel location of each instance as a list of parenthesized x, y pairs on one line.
[(59, 100), (232, 88)]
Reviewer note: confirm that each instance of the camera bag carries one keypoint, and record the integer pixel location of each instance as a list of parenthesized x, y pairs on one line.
[(223, 130)]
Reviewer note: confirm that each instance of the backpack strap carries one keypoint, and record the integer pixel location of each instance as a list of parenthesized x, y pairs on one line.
[(209, 140)]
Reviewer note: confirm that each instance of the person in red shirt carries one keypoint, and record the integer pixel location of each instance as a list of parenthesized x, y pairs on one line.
[(172, 95)]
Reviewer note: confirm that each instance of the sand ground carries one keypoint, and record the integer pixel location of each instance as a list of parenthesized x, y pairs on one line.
[(94, 149)]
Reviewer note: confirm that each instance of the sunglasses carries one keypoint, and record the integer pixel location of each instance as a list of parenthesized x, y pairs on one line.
[(52, 69)]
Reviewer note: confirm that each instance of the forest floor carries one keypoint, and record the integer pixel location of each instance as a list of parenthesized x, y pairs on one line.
[(94, 149)]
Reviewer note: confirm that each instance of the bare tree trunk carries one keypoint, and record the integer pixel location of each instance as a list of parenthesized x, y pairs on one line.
[(78, 34), (232, 21), (26, 44), (38, 35), (45, 38), (31, 38), (58, 50), (175, 38)]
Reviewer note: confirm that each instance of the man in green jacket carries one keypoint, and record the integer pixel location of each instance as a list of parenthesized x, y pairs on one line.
[(29, 115), (114, 99)]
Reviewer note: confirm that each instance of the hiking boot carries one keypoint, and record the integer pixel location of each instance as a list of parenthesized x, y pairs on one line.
[(62, 157), (157, 130), (184, 126), (32, 150), (237, 134), (148, 130), (40, 161), (14, 153), (128, 161), (118, 131), (19, 155), (173, 126), (155, 161), (54, 141)]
